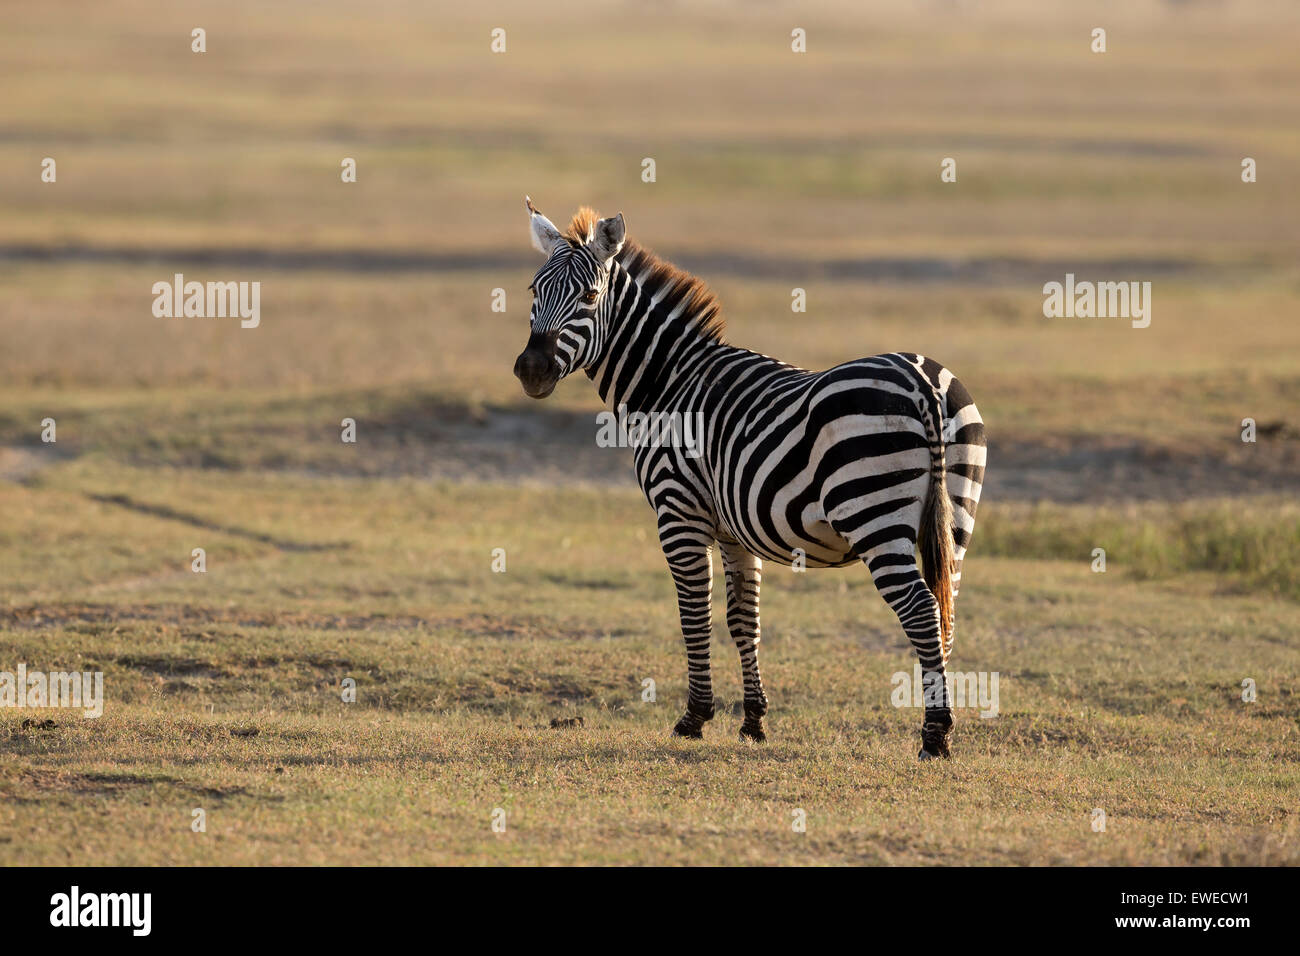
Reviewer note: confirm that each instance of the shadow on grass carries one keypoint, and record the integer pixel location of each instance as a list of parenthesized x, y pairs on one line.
[(197, 521)]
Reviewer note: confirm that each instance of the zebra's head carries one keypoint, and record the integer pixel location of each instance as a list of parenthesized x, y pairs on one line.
[(568, 321)]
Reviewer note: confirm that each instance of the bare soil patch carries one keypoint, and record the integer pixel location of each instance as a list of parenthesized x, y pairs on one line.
[(548, 447)]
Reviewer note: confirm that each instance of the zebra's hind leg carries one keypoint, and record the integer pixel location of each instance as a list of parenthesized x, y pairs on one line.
[(897, 577), (899, 582), (689, 551), (744, 573)]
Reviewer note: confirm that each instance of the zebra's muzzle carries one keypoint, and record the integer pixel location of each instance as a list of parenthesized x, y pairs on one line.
[(535, 368)]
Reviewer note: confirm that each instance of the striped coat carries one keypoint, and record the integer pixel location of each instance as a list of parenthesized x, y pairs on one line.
[(868, 461)]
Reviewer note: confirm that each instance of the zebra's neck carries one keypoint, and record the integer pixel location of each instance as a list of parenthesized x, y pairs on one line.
[(663, 329)]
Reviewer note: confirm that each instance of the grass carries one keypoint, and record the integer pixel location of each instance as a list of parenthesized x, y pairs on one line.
[(1251, 544), (807, 155), (82, 346), (224, 692)]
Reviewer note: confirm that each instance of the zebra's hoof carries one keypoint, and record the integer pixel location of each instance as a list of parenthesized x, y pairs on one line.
[(753, 730), (935, 735), (931, 750), (689, 729)]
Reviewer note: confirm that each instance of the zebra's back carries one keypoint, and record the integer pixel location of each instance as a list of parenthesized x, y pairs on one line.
[(817, 466)]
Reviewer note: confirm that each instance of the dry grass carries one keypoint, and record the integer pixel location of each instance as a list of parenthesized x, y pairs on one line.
[(1114, 693)]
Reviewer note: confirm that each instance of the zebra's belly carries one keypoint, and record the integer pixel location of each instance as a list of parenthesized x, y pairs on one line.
[(816, 545)]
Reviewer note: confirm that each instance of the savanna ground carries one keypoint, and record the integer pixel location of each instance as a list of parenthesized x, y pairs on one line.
[(1120, 691)]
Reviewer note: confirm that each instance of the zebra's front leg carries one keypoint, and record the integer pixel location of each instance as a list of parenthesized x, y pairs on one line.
[(689, 550), (744, 573)]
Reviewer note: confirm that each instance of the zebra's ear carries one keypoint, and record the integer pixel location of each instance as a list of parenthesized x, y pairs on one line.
[(609, 237), (542, 230)]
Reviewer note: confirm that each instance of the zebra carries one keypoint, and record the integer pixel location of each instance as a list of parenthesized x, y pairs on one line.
[(868, 461)]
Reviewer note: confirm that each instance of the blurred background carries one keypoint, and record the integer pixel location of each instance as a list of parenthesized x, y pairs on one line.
[(774, 170)]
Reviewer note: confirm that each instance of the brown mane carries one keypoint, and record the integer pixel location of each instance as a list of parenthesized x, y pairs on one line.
[(673, 285), (583, 224)]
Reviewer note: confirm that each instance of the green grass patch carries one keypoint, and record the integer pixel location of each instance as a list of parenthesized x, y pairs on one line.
[(1251, 544)]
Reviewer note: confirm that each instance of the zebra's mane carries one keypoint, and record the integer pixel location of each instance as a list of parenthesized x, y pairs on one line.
[(659, 278)]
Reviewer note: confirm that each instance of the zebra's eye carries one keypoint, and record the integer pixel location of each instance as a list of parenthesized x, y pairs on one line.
[(589, 296)]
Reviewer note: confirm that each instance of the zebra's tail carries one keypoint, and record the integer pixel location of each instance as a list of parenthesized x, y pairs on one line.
[(934, 537)]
